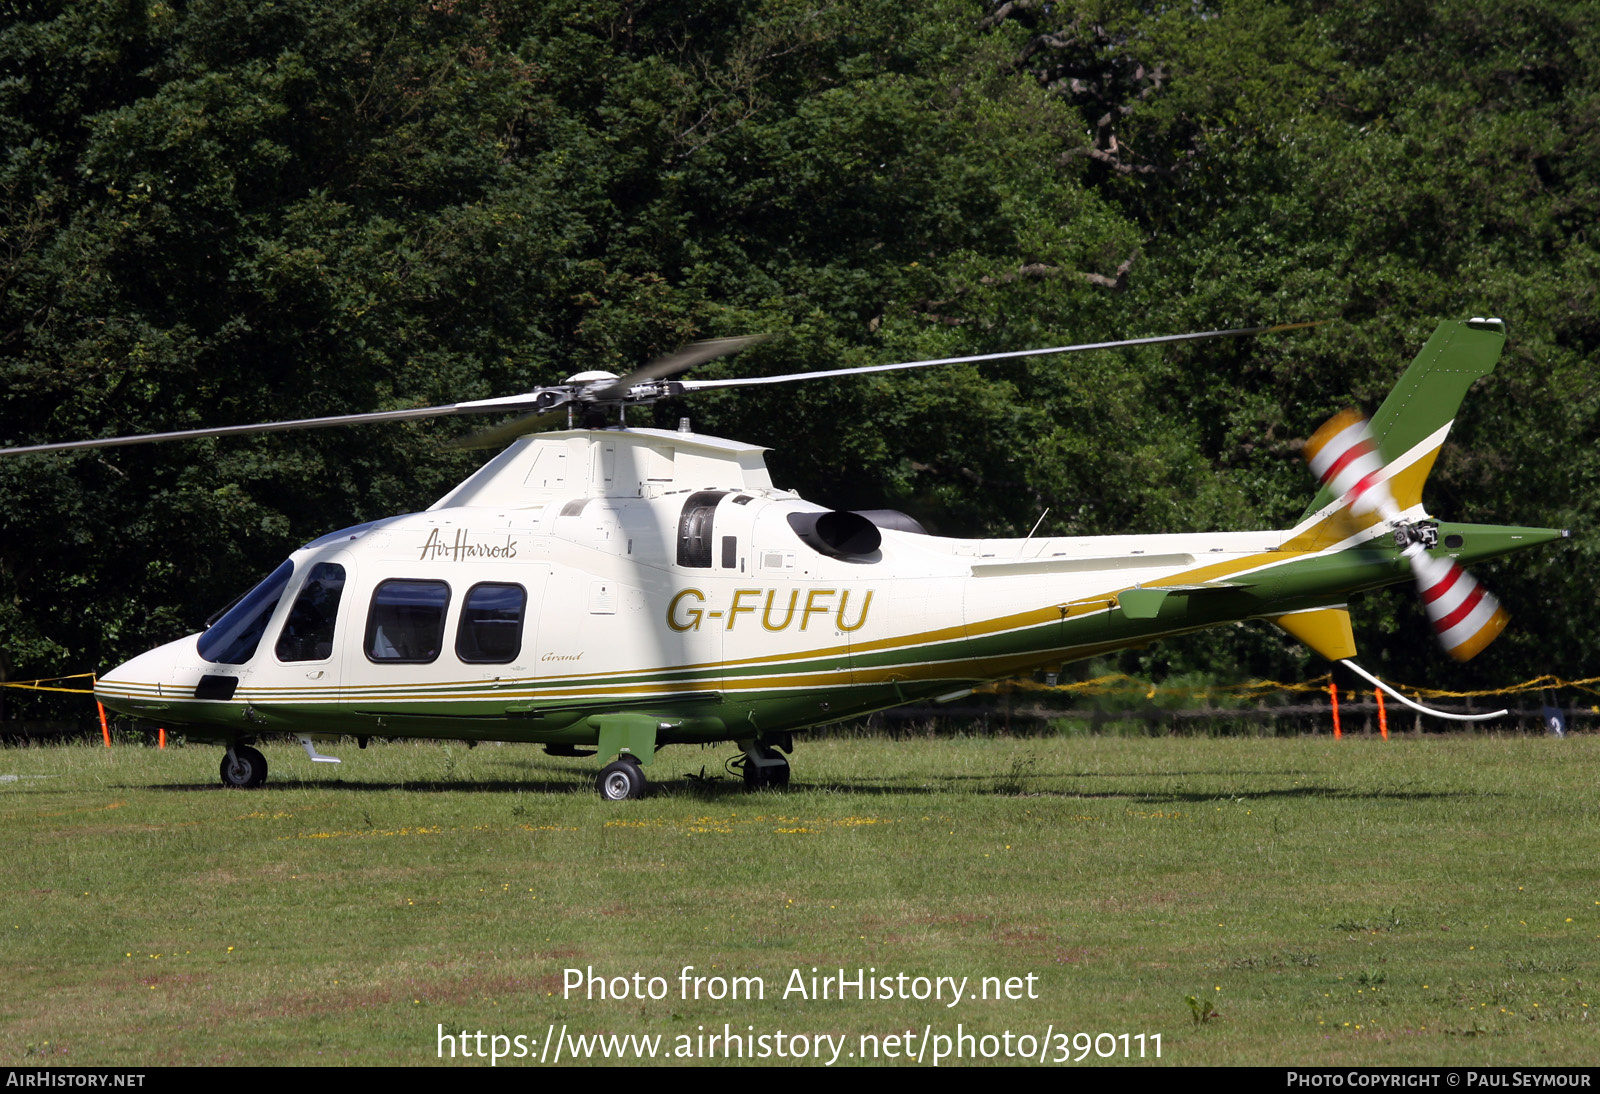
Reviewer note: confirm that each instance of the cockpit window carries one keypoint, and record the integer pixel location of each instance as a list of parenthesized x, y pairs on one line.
[(308, 632), (406, 622), (232, 640)]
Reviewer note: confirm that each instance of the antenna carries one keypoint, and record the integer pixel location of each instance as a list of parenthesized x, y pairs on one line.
[(1036, 524)]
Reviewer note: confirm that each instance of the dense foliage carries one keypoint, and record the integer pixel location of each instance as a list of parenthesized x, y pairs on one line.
[(226, 211)]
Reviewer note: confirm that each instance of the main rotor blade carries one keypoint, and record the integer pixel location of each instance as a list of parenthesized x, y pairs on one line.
[(617, 391), (702, 385), (498, 435), (481, 406), (693, 354)]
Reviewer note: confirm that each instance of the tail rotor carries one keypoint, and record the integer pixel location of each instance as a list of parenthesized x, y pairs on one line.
[(1345, 458), (1465, 616)]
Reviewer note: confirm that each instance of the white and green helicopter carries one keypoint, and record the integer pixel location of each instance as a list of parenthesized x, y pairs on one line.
[(624, 589)]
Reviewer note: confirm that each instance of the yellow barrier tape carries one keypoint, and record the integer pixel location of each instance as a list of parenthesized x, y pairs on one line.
[(1110, 684), (1119, 683), (38, 685)]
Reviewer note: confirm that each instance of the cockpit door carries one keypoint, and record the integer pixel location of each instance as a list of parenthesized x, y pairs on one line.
[(308, 644)]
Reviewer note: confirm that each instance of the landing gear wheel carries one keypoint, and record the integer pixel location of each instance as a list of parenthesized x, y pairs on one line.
[(243, 768), (772, 771), (621, 780)]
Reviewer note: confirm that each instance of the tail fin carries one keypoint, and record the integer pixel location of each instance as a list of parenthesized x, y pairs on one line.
[(1413, 421), (1325, 630)]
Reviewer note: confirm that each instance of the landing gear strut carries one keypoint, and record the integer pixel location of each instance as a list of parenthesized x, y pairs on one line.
[(764, 767), (243, 768), (622, 779)]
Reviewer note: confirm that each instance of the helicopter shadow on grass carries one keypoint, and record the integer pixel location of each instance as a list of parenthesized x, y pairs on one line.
[(1335, 793), (432, 786), (1214, 773), (544, 778), (677, 787), (1001, 786), (708, 788), (714, 788)]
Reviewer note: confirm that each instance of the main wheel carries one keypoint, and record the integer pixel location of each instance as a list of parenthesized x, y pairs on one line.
[(243, 768), (621, 780)]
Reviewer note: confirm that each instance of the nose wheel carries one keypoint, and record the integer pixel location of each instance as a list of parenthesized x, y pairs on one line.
[(622, 780), (243, 768)]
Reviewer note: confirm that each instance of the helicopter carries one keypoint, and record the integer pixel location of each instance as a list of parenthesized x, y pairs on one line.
[(607, 591)]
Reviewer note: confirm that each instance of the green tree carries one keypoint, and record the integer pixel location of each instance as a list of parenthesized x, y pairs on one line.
[(220, 212)]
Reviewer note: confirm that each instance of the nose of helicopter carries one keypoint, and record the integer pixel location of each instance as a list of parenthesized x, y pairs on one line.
[(148, 683)]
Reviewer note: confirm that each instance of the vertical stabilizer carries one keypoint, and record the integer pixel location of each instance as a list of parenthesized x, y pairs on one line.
[(1413, 421)]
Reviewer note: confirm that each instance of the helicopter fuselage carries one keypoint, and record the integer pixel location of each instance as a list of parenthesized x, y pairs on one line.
[(655, 587)]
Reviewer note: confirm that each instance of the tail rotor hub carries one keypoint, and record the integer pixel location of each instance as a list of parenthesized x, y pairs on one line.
[(1347, 459)]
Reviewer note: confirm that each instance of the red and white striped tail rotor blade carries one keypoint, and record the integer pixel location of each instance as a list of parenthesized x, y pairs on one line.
[(1464, 614), (1344, 458)]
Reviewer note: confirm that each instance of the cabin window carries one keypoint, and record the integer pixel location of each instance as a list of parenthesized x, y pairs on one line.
[(232, 640), (694, 528), (490, 632), (308, 632), (406, 622)]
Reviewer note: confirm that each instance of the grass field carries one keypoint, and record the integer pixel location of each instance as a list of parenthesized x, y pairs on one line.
[(1417, 901)]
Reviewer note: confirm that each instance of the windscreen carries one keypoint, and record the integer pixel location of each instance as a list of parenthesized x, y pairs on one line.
[(232, 640)]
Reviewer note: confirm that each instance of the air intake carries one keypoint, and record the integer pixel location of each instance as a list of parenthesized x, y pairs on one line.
[(836, 534)]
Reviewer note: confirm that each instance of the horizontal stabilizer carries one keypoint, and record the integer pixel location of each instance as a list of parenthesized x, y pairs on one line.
[(1141, 603), (1145, 603)]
